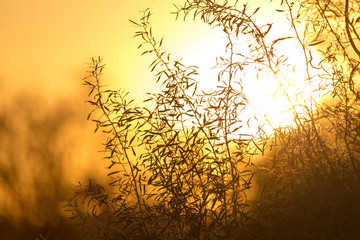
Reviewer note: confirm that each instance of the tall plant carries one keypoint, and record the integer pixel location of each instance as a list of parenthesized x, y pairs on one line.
[(181, 170)]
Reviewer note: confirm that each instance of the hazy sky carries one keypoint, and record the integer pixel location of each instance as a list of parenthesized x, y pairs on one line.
[(46, 44)]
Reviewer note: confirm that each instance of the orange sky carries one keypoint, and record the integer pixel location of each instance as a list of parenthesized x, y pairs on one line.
[(46, 44)]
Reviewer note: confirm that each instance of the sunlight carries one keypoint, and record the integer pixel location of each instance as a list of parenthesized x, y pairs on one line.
[(273, 99), (276, 99)]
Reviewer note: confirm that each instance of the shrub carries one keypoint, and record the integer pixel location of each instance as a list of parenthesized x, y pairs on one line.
[(182, 169)]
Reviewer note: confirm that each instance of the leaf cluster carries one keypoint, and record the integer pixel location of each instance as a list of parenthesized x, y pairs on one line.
[(182, 169)]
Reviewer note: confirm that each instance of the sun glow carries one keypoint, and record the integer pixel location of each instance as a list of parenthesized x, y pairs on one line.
[(274, 99), (275, 96)]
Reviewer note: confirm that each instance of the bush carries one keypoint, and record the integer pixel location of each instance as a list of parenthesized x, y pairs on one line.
[(182, 169)]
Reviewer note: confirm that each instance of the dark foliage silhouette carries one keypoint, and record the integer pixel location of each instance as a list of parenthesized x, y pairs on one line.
[(183, 169)]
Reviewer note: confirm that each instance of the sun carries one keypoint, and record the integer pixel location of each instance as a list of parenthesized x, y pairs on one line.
[(277, 99), (273, 98)]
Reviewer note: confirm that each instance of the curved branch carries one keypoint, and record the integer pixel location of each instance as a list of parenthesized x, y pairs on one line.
[(347, 28)]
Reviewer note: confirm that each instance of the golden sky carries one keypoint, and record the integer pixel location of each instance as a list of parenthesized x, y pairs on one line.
[(46, 44)]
